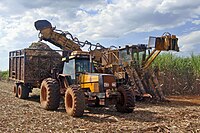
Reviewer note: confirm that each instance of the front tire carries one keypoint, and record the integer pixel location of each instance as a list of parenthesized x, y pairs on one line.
[(126, 101), (74, 101), (50, 94)]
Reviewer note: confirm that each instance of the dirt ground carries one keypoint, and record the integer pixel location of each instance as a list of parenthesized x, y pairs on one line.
[(181, 114)]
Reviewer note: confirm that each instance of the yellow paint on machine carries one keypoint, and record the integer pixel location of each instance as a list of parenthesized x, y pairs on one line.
[(89, 78), (94, 87), (90, 81)]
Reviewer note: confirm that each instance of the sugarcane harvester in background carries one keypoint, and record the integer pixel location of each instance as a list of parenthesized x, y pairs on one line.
[(131, 65), (80, 83)]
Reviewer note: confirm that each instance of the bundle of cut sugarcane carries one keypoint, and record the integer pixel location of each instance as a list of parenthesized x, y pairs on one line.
[(40, 60)]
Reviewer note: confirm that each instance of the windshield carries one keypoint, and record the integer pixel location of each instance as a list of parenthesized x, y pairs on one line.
[(83, 65), (124, 56), (76, 66), (69, 68)]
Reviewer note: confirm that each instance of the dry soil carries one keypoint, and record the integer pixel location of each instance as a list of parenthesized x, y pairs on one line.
[(181, 114)]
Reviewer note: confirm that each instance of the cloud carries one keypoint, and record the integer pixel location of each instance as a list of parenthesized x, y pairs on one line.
[(197, 22), (95, 20), (124, 17), (186, 9), (189, 43), (15, 34), (105, 19)]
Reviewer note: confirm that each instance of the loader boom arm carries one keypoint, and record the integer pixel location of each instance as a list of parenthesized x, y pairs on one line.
[(48, 33)]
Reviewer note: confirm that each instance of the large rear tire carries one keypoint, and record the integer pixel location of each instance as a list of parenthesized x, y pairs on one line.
[(74, 101), (126, 103), (22, 91), (50, 94)]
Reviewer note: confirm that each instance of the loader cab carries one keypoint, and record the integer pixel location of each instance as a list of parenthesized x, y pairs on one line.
[(78, 63)]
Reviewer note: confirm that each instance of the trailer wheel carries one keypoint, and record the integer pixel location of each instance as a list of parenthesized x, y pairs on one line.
[(74, 101), (50, 94), (23, 91), (126, 101), (15, 90)]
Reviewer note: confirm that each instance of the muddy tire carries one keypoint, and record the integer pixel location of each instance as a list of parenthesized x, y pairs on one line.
[(126, 102), (49, 94), (15, 90), (22, 92), (74, 101)]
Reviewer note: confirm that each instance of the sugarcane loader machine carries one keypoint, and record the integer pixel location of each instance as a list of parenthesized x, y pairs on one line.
[(131, 65), (80, 83)]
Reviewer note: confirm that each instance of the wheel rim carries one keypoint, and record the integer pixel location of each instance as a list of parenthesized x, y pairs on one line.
[(15, 89), (19, 91), (69, 101), (44, 93)]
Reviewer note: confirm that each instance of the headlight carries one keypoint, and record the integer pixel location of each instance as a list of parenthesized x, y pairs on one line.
[(114, 84), (106, 84)]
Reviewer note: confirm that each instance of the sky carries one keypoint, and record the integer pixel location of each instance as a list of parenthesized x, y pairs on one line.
[(108, 22)]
